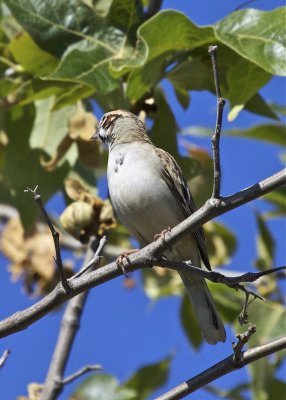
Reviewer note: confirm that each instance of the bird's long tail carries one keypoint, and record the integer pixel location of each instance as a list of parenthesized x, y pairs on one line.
[(209, 321)]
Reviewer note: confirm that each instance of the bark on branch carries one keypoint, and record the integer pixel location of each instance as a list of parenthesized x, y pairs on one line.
[(216, 136), (211, 209), (70, 324), (223, 367), (4, 357)]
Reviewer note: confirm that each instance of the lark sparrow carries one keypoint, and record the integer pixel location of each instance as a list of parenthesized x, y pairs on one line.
[(148, 192)]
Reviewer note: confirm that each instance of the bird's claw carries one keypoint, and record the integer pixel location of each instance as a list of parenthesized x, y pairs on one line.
[(120, 259), (162, 235)]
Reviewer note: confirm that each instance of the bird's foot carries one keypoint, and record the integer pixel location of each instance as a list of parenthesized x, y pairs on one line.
[(162, 235), (120, 259)]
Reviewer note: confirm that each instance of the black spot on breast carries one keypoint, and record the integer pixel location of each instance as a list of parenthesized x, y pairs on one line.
[(119, 161)]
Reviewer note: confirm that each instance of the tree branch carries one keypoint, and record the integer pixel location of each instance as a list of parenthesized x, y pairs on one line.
[(242, 339), (222, 368), (55, 235), (4, 357), (82, 371), (70, 324), (211, 209), (216, 137), (214, 276)]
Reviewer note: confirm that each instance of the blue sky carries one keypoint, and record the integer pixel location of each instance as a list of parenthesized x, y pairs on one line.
[(120, 329)]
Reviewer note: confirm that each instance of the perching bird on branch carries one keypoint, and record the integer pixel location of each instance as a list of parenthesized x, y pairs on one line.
[(149, 194)]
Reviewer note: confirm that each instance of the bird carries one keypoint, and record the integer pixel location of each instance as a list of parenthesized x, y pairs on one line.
[(149, 193)]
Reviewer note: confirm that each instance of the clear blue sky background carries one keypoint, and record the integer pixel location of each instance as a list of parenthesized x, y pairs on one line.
[(120, 329)]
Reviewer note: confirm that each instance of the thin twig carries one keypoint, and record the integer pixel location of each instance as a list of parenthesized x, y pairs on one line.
[(4, 357), (82, 371), (54, 383), (242, 339), (214, 276), (243, 316), (55, 235), (211, 209), (223, 367), (216, 137), (93, 263)]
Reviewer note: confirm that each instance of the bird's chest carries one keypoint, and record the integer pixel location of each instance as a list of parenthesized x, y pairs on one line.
[(131, 180), (141, 198)]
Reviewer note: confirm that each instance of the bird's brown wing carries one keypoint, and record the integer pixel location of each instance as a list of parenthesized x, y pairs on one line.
[(173, 176)]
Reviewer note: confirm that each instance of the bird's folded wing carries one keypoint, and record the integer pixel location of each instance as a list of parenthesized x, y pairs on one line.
[(174, 178)]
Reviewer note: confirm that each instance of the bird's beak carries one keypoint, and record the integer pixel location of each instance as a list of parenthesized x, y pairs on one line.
[(95, 136)]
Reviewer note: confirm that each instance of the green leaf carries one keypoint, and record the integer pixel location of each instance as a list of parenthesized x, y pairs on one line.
[(190, 324), (263, 371), (278, 199), (201, 183), (138, 387), (257, 105), (37, 89), (149, 378), (21, 167), (102, 387), (159, 283), (50, 127), (265, 245), (89, 43), (191, 75), (183, 96), (66, 93), (167, 35), (115, 100), (87, 63), (276, 321), (7, 87), (56, 24), (244, 80), (71, 95), (163, 135), (221, 243), (278, 108), (31, 57), (199, 131), (240, 79), (277, 389), (228, 301), (164, 128), (272, 133), (256, 35)]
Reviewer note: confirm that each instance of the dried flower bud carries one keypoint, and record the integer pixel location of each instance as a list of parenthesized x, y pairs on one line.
[(77, 217)]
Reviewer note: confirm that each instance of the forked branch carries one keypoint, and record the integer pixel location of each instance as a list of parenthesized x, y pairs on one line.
[(223, 367), (212, 208), (70, 324), (55, 235)]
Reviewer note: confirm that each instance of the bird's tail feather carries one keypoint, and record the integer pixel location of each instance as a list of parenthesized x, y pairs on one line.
[(209, 321)]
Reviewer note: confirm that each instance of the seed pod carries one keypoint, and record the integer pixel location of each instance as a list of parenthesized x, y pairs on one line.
[(77, 217)]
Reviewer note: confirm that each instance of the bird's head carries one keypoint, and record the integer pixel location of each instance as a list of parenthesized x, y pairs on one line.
[(120, 126)]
